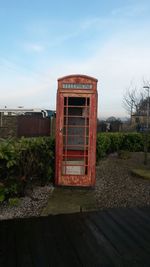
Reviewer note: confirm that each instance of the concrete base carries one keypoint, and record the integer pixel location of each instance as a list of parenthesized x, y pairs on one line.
[(67, 200)]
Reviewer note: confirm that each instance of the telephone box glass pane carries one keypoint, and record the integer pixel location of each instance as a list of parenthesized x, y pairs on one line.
[(75, 135)]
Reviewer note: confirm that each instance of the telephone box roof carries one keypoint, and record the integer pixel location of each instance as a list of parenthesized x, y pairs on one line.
[(78, 75)]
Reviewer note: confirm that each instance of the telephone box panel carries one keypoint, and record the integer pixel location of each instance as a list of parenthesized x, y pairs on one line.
[(76, 117)]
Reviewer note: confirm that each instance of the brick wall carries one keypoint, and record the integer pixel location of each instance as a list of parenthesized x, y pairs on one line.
[(8, 126)]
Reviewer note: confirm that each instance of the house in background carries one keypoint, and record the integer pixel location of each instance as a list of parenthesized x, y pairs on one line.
[(141, 118), (111, 124)]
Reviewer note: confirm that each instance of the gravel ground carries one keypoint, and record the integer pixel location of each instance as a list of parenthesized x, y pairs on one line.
[(29, 206), (117, 187)]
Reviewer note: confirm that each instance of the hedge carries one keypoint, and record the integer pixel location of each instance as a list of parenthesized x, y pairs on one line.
[(24, 160), (112, 142)]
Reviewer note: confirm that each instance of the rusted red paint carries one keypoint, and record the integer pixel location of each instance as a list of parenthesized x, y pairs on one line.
[(88, 152), (75, 180)]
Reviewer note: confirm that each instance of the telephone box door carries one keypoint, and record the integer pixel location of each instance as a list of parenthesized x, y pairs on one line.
[(75, 139)]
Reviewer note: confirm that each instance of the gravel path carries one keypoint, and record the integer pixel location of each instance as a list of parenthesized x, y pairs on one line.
[(29, 206), (116, 187)]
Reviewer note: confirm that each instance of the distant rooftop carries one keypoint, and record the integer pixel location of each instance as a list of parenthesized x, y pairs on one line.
[(25, 111)]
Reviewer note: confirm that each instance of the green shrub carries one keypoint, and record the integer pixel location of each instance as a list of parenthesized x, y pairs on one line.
[(36, 158), (8, 159), (103, 145), (114, 142), (2, 193), (23, 161), (133, 142), (2, 197), (14, 201)]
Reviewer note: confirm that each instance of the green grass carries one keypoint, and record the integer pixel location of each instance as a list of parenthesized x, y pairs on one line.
[(14, 202), (143, 173)]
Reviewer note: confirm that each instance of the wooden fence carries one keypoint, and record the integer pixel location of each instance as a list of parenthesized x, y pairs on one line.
[(27, 126)]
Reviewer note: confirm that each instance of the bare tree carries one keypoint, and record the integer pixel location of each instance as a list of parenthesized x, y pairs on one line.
[(138, 102), (132, 99)]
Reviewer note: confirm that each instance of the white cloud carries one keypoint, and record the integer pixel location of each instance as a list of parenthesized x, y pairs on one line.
[(33, 47), (131, 10)]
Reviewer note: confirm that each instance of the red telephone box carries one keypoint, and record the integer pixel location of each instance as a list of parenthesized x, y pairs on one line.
[(76, 119)]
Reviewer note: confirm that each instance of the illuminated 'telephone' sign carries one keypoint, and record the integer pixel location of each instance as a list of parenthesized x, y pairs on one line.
[(77, 86)]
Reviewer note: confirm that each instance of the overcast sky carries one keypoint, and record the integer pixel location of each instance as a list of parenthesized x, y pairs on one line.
[(41, 41)]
